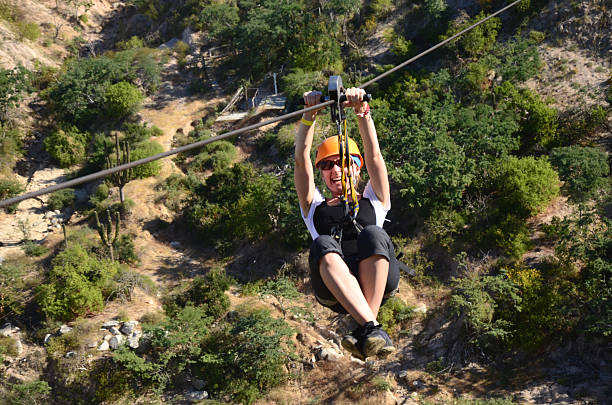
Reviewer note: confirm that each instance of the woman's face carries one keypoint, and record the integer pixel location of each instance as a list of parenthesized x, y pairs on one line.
[(333, 176)]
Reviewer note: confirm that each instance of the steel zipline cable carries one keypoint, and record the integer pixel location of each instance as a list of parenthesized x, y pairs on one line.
[(115, 169)]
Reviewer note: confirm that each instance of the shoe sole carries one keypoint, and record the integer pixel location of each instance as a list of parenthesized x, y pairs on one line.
[(385, 351), (352, 348), (373, 346)]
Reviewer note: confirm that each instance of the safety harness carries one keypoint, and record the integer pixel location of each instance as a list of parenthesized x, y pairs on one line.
[(351, 205)]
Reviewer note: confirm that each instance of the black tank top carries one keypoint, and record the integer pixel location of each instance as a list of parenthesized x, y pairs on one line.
[(326, 218)]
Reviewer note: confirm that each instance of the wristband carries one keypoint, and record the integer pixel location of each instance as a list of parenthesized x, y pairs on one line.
[(366, 112), (306, 122)]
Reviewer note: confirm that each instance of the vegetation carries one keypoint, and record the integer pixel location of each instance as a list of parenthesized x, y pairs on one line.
[(475, 156)]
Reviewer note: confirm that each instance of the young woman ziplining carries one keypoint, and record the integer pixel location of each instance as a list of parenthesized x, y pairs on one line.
[(352, 263)]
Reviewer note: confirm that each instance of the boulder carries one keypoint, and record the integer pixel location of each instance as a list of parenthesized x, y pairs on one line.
[(103, 346), (115, 341), (114, 331), (329, 354), (110, 324), (128, 327), (18, 346), (196, 395), (133, 342), (8, 329), (47, 338), (64, 329), (70, 355), (198, 384)]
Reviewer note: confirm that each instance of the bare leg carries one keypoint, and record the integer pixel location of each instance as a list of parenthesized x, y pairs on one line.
[(373, 273), (345, 287)]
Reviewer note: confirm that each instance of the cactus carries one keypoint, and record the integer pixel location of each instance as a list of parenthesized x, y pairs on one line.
[(105, 231), (120, 179)]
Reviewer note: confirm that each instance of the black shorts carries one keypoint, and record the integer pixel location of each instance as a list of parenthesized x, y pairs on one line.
[(373, 240)]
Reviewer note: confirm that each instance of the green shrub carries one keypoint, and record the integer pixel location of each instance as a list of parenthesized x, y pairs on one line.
[(67, 145), (76, 284), (209, 293), (8, 189), (539, 122), (8, 346), (297, 82), (28, 393), (132, 43), (584, 170), (478, 300), (479, 40), (141, 151), (395, 313), (12, 294), (524, 185), (10, 147), (28, 30), (134, 132), (60, 199), (215, 156), (122, 99), (125, 250), (247, 357), (31, 248)]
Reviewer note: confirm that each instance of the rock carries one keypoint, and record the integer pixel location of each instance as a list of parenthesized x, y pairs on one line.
[(110, 324), (196, 395), (175, 244), (107, 337), (170, 44), (47, 338), (115, 341), (414, 395), (357, 361), (92, 345), (403, 374), (198, 384), (128, 327), (64, 329), (114, 330), (329, 354), (70, 355), (8, 329), (18, 346), (103, 346), (133, 342), (420, 309)]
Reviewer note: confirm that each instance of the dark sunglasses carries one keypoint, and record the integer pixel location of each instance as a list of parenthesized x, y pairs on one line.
[(329, 164)]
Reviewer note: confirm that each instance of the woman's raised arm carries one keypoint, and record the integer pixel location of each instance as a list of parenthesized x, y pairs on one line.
[(304, 172), (377, 169)]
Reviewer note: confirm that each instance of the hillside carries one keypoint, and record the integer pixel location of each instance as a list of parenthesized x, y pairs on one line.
[(195, 288)]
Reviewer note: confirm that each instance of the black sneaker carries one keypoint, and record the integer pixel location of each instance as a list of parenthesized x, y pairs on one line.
[(388, 348), (373, 339), (367, 340), (350, 343)]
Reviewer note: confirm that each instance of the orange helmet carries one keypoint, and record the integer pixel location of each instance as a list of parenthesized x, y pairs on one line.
[(329, 147)]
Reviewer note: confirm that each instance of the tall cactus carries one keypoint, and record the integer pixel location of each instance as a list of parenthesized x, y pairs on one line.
[(122, 154), (106, 230)]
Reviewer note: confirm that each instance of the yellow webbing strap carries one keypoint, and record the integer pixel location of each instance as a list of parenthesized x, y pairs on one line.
[(348, 175)]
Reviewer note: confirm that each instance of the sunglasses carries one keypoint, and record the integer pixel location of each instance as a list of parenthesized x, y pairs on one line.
[(329, 164)]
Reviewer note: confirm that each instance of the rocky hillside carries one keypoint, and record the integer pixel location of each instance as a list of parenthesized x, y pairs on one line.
[(54, 359)]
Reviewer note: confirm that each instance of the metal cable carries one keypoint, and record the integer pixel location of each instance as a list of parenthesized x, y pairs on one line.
[(103, 173)]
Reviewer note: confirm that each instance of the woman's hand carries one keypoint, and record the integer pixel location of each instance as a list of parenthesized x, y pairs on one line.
[(354, 97), (311, 98)]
